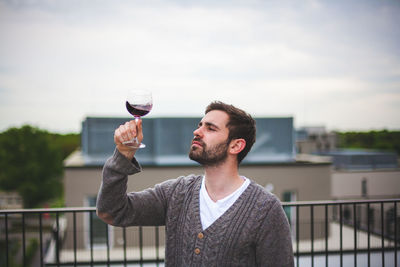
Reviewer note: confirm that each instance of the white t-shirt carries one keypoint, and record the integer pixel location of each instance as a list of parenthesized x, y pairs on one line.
[(210, 211)]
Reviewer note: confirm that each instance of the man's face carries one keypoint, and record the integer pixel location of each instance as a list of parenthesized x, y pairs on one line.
[(210, 143)]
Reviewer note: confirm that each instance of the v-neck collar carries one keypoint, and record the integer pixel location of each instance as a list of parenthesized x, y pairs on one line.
[(195, 206), (241, 188)]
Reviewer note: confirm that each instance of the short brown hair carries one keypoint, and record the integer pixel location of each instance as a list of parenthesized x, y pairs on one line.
[(240, 125)]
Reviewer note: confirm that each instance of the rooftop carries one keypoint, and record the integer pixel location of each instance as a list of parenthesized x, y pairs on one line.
[(358, 159), (168, 141)]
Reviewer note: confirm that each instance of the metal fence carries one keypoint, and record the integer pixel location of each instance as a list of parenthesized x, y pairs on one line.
[(325, 233), (362, 231)]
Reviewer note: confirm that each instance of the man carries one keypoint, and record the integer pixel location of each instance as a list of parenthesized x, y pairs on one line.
[(216, 219)]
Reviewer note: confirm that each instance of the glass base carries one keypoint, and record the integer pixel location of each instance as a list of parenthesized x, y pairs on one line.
[(134, 144)]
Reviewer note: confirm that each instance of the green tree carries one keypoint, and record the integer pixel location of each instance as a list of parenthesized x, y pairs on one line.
[(67, 143), (31, 164), (377, 140)]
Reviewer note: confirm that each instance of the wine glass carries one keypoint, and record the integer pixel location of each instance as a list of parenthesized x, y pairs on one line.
[(138, 103)]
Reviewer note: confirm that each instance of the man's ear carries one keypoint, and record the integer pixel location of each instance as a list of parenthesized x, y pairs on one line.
[(237, 145)]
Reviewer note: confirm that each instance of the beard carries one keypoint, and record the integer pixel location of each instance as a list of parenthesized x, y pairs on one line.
[(209, 157)]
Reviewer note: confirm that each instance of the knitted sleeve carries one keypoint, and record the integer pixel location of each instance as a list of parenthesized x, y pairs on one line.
[(274, 242), (144, 208)]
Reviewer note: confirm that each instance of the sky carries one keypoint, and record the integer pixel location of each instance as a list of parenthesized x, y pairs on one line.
[(324, 63)]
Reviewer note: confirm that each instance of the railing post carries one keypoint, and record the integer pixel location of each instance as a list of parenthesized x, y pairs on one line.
[(355, 233), (41, 238), (124, 237), (141, 243), (326, 235), (395, 234), (57, 239), (383, 234), (91, 238), (369, 234), (312, 234), (23, 240), (157, 244), (107, 245), (297, 235), (7, 241), (74, 229), (341, 233)]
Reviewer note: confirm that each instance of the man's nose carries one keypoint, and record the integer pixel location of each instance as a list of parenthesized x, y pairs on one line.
[(197, 132)]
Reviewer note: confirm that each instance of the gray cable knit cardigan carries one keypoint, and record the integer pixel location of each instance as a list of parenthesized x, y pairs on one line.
[(254, 231)]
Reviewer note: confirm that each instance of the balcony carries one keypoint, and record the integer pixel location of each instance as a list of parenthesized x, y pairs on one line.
[(325, 233)]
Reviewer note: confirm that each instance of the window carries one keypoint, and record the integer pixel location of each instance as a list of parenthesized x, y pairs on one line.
[(97, 227), (364, 191)]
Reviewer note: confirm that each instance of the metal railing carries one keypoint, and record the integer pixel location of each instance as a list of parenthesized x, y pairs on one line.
[(325, 233), (350, 228)]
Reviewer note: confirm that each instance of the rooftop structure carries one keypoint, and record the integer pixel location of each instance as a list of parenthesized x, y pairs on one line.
[(348, 159), (315, 139), (168, 141)]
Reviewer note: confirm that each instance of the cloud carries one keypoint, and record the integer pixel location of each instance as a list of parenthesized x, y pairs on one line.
[(316, 61)]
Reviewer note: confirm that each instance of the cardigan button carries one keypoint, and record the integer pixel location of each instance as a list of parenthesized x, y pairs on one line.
[(197, 251), (200, 235)]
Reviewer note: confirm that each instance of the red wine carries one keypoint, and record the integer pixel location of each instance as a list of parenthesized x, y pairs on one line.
[(138, 110)]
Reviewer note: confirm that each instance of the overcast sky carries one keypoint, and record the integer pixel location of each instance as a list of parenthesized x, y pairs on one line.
[(329, 63)]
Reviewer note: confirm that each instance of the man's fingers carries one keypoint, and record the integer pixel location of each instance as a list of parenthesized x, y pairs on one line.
[(118, 137), (130, 130), (139, 130), (125, 132)]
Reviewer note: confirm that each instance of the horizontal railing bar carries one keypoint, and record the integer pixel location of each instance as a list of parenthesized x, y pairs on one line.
[(291, 204), (49, 210), (344, 251), (336, 202), (69, 263)]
